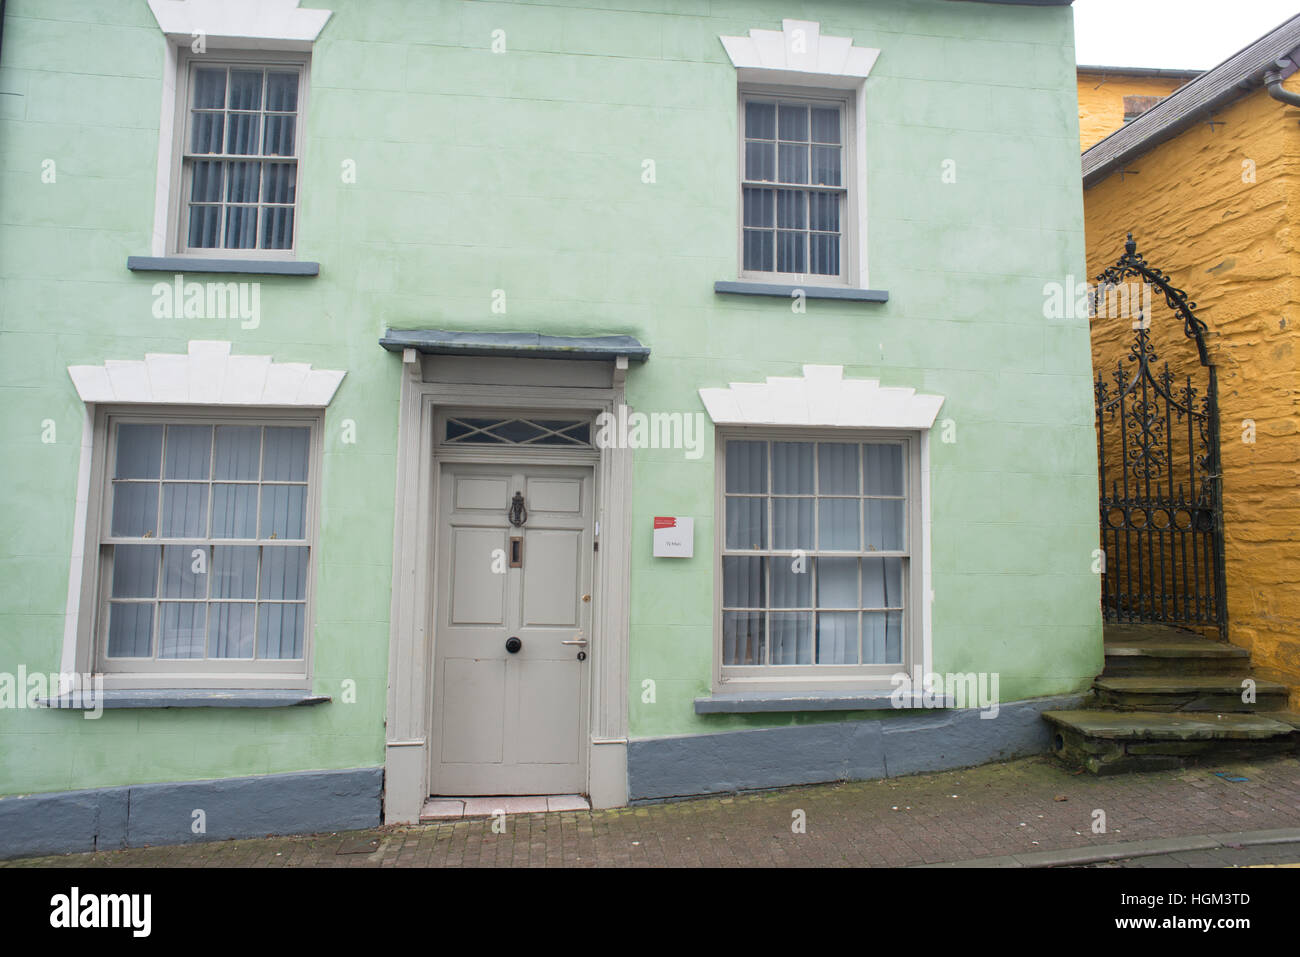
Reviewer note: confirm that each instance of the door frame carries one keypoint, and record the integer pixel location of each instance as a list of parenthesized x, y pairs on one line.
[(431, 384)]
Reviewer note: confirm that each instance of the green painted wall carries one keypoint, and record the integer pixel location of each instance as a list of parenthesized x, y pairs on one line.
[(521, 171)]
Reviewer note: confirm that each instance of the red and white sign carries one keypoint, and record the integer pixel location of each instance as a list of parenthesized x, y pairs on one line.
[(674, 537)]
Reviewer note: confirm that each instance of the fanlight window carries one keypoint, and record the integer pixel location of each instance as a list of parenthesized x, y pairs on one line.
[(517, 431)]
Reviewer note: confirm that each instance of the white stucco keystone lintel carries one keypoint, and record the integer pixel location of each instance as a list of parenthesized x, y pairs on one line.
[(206, 375), (799, 47), (245, 22), (821, 397)]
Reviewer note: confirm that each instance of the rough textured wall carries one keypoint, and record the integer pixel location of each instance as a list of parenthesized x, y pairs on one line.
[(1232, 245), (1101, 101)]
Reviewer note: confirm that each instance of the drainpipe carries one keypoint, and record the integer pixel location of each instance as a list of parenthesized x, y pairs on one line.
[(1273, 80)]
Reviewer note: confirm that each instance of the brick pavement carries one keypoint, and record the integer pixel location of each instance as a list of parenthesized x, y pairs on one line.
[(1033, 804)]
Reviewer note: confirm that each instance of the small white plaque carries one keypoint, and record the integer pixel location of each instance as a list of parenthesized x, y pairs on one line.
[(674, 537)]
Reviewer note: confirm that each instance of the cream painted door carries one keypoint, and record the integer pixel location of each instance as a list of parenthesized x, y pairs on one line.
[(512, 722)]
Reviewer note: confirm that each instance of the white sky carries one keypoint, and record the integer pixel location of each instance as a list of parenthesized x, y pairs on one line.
[(1172, 34)]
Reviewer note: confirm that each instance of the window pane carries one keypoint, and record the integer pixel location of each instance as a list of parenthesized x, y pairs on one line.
[(284, 511), (231, 627), (793, 163), (746, 522), (792, 523), (838, 522), (179, 578), (760, 162), (280, 181), (245, 89), (242, 182), (824, 253), (188, 451), (205, 182), (760, 121), (837, 468), (792, 638), (205, 226), (837, 583), (759, 207), (277, 139), (790, 252), (882, 637), (742, 638), (209, 89), (242, 131), (824, 212), (182, 629), (792, 467), (791, 209), (794, 122), (742, 582), (883, 467), (135, 571), (759, 250), (882, 583), (884, 524), (185, 510), (826, 165), (130, 630), (285, 455), (791, 583), (135, 509), (825, 125), (238, 452), (234, 511), (241, 227), (747, 467), (139, 451), (284, 573), (234, 571), (837, 638), (282, 92), (277, 227), (279, 630), (207, 132)]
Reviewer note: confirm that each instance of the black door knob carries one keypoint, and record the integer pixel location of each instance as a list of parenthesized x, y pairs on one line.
[(513, 644)]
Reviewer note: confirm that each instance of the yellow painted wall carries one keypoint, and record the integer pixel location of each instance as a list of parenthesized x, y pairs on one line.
[(1234, 246), (1101, 101)]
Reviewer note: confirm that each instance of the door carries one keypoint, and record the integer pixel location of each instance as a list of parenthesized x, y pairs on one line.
[(512, 619)]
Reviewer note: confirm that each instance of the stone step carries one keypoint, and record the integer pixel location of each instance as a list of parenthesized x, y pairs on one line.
[(1171, 653), (1182, 693), (1111, 742)]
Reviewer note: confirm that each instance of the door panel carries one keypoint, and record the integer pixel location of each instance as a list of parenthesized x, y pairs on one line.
[(508, 723)]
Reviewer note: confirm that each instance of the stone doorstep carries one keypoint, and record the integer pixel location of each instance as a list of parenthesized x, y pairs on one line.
[(1175, 726), (457, 808)]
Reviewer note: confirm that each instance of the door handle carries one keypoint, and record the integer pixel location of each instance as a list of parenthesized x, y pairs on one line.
[(513, 644), (579, 640)]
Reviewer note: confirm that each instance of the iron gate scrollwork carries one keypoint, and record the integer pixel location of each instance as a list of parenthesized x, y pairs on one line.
[(1158, 454)]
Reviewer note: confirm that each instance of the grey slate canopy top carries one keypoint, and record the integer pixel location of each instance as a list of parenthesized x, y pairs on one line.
[(523, 344)]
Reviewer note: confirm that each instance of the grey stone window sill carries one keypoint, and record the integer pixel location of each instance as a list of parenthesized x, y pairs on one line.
[(185, 698), (810, 292), (257, 267), (749, 702)]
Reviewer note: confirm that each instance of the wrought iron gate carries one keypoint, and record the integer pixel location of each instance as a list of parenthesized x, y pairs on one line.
[(1158, 456)]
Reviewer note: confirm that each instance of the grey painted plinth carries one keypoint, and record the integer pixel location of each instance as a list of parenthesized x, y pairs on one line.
[(909, 743), (301, 802)]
